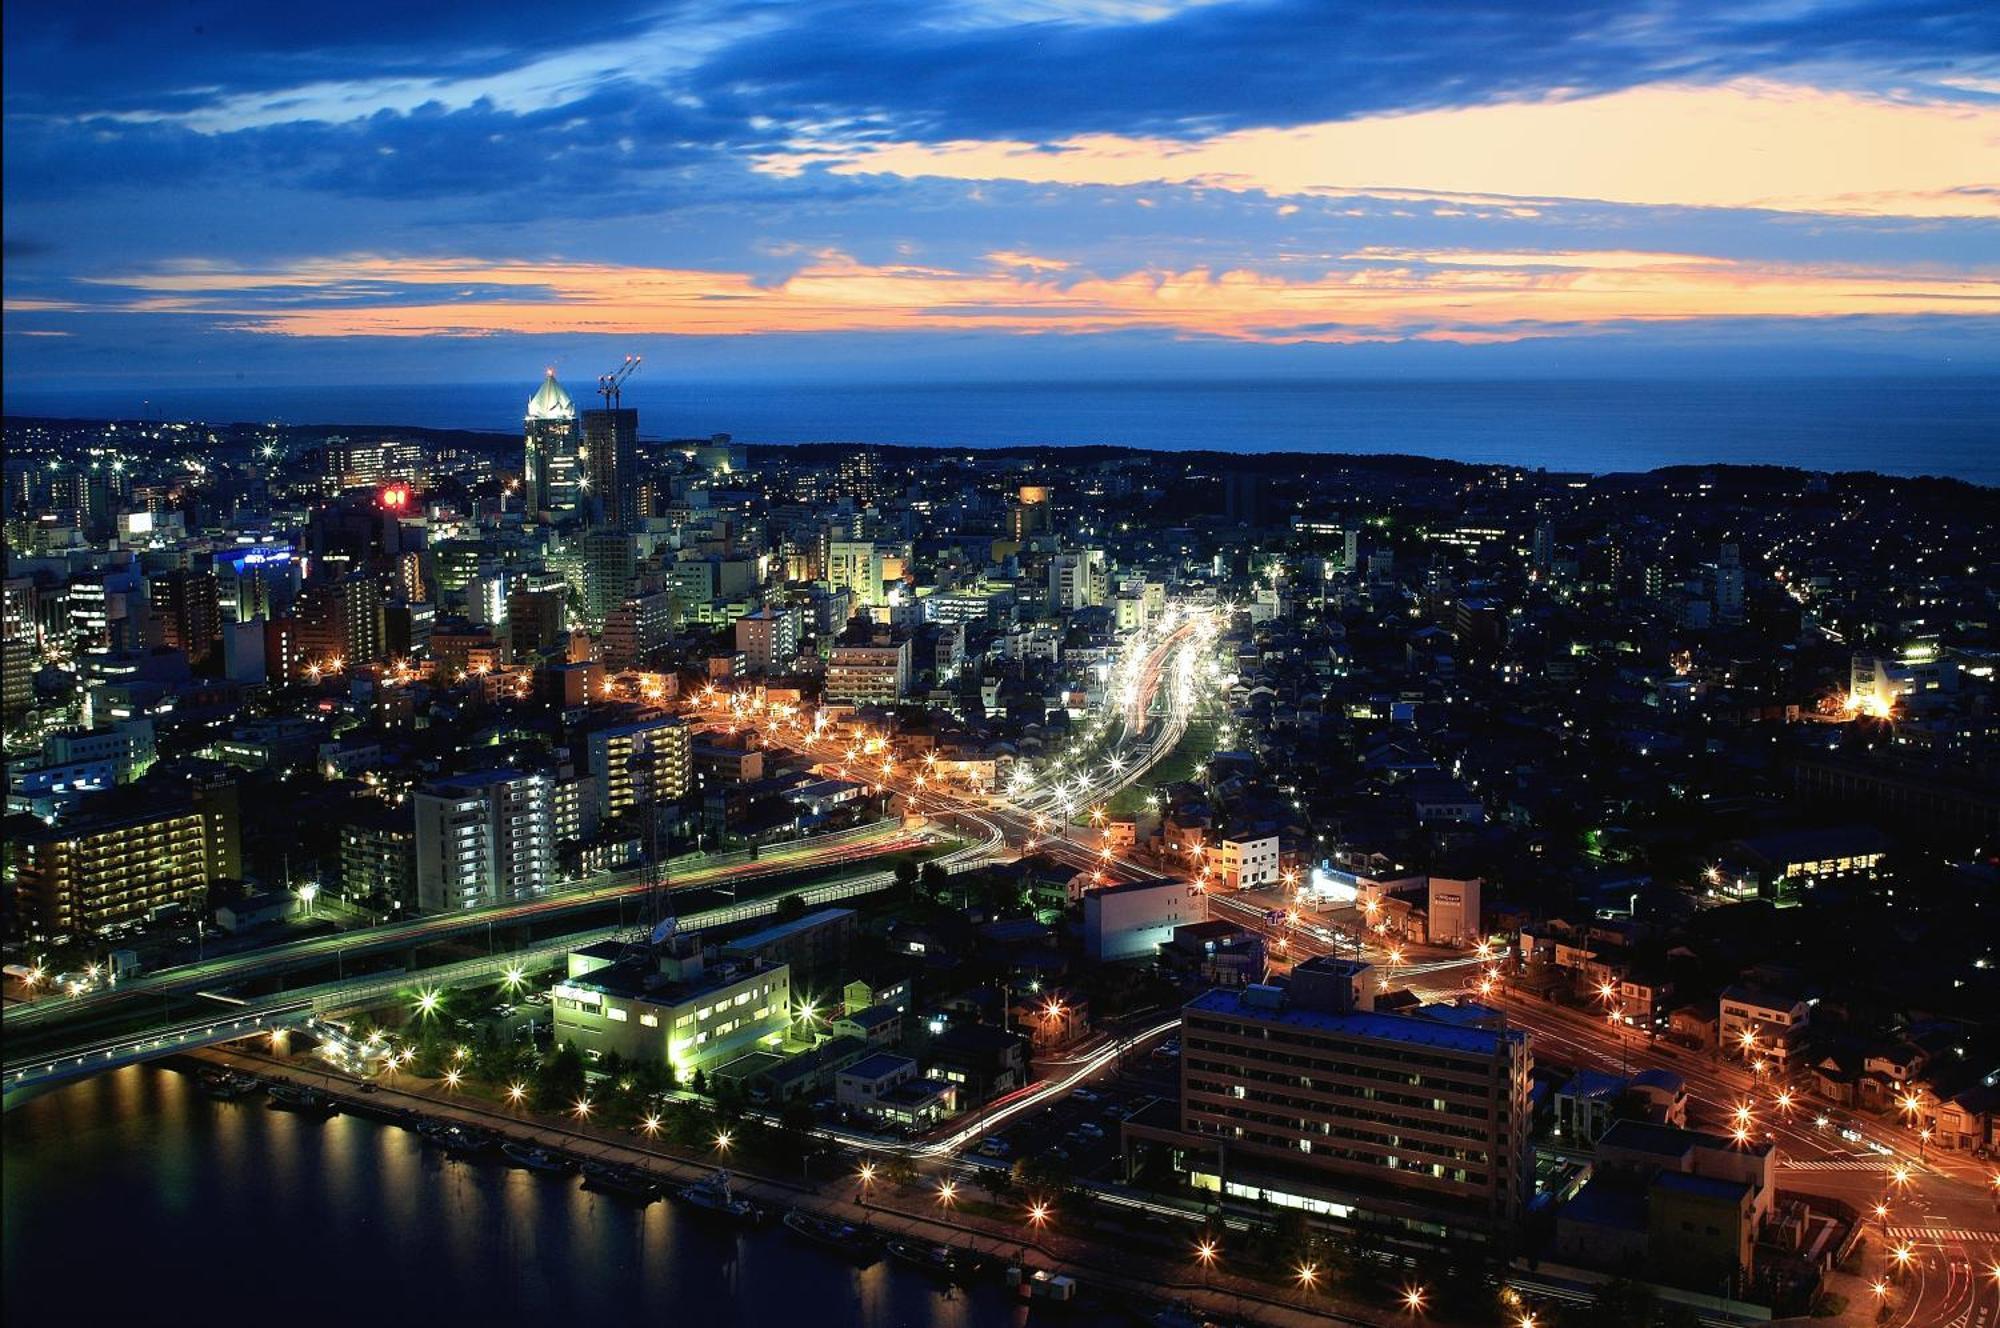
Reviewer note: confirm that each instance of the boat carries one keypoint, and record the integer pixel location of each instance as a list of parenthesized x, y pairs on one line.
[(305, 1100), (457, 1140), (535, 1159), (940, 1260), (226, 1085), (856, 1243), (370, 1109), (711, 1197), (625, 1182)]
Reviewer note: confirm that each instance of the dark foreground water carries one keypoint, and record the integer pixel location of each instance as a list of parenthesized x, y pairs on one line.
[(1900, 426), (133, 1198)]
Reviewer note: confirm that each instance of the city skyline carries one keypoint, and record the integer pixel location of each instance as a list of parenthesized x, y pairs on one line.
[(993, 192)]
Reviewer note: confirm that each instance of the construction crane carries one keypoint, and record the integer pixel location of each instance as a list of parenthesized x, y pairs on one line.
[(608, 385)]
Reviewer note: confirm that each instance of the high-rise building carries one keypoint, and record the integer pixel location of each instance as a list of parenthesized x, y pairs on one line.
[(609, 463), (483, 838), (548, 464), (857, 567), (187, 611), (610, 566), (1308, 1098), (378, 855), (1028, 514), (636, 628), (638, 765), (537, 616)]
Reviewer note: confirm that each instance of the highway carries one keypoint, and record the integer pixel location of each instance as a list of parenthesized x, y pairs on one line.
[(225, 971), (1038, 807)]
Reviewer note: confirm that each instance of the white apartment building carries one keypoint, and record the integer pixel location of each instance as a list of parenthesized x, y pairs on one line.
[(1245, 864), (484, 838)]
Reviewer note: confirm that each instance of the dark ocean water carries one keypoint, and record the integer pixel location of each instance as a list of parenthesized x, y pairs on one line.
[(133, 1198), (1905, 426)]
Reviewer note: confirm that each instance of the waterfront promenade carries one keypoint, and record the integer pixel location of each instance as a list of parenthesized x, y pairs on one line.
[(1094, 1264)]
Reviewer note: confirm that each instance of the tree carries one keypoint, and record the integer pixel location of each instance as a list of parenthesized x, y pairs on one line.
[(906, 874), (791, 907), (560, 1079), (934, 879), (699, 1083), (1622, 1300)]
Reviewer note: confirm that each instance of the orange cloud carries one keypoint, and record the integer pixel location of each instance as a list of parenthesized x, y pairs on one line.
[(1380, 294), (1741, 145)]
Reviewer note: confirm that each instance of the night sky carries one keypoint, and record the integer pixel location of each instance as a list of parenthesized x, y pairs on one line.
[(290, 193)]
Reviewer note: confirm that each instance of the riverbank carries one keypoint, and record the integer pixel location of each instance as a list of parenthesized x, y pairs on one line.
[(1094, 1266)]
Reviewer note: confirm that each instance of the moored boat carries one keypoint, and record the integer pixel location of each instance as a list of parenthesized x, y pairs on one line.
[(856, 1243), (712, 1197), (625, 1182), (226, 1085), (945, 1261), (535, 1159), (305, 1100)]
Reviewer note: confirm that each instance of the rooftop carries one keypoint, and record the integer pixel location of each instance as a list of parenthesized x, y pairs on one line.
[(1378, 1027)]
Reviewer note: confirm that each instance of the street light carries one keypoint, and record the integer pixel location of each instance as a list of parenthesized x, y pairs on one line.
[(946, 1192), (722, 1142), (1413, 1299), (1307, 1276), (582, 1108), (651, 1125)]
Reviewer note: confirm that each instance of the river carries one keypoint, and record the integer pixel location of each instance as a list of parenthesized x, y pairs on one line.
[(134, 1197)]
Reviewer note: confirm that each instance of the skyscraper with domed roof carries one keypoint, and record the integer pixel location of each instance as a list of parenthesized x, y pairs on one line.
[(549, 461)]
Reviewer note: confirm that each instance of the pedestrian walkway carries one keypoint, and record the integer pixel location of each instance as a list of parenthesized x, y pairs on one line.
[(1941, 1234)]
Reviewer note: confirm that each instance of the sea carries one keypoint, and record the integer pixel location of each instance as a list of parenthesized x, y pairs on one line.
[(1945, 426), (131, 1197)]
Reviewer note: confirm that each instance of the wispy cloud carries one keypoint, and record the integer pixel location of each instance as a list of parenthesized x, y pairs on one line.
[(1385, 295), (1745, 145)]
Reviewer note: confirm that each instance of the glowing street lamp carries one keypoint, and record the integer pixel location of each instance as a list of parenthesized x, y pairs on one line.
[(722, 1141), (514, 977), (582, 1109), (516, 1094), (1307, 1276), (1038, 1215), (427, 1001), (452, 1079), (947, 1192), (1413, 1299)]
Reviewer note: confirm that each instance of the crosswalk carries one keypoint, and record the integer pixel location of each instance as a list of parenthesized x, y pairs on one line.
[(1842, 1164), (1965, 1234)]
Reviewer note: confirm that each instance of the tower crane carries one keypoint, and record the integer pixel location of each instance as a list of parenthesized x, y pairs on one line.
[(608, 385)]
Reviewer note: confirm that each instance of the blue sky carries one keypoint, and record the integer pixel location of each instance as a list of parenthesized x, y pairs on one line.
[(216, 192)]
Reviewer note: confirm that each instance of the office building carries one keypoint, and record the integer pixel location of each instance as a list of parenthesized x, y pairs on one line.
[(669, 1005), (608, 484), (548, 461), (1309, 1099)]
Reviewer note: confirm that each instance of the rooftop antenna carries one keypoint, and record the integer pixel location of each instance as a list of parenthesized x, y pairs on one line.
[(608, 385)]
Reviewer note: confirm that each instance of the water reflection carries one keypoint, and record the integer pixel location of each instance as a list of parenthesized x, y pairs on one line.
[(136, 1194)]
